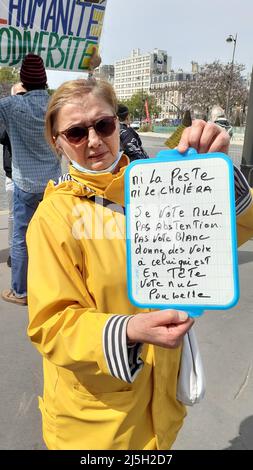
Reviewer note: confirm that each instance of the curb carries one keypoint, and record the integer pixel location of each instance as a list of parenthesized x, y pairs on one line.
[(233, 141)]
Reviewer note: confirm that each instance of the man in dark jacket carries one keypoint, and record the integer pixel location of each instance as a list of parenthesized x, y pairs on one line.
[(130, 141), (5, 142)]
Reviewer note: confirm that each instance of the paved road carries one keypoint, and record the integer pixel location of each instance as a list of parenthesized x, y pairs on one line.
[(154, 144)]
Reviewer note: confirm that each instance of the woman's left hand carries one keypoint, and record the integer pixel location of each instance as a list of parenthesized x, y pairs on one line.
[(95, 59), (204, 137)]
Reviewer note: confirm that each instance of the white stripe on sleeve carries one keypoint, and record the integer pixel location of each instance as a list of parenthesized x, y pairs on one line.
[(242, 192), (123, 362)]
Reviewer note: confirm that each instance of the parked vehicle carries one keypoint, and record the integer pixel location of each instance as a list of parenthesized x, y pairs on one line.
[(223, 122), (135, 125)]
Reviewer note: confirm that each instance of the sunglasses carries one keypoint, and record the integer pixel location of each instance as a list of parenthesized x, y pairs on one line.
[(103, 127)]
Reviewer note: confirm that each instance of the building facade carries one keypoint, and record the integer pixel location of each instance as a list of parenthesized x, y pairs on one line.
[(134, 73), (166, 89), (105, 72)]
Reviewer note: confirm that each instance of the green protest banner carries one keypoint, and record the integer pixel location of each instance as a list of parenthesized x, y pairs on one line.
[(63, 32)]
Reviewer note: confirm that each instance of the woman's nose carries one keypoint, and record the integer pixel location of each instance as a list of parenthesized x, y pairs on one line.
[(93, 138)]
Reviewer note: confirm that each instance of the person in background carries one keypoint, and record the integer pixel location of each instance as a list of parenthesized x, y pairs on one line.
[(33, 163), (5, 142), (16, 89), (130, 141), (110, 368)]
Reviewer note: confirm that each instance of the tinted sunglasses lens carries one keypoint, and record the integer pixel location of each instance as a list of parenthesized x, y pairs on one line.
[(106, 126), (76, 134)]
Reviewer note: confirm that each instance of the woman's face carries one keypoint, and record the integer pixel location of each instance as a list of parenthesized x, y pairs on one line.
[(96, 152)]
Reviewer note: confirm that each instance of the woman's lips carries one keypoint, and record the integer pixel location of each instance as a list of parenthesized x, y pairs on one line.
[(97, 156)]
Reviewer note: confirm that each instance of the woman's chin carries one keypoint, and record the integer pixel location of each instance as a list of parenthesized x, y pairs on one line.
[(99, 166)]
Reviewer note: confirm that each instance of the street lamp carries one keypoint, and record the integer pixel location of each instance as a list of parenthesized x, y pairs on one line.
[(233, 39)]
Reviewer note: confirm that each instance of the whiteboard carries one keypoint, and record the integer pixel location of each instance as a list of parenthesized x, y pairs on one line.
[(181, 231)]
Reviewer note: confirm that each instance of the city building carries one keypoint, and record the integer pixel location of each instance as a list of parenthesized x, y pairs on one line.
[(105, 72), (165, 88), (134, 73)]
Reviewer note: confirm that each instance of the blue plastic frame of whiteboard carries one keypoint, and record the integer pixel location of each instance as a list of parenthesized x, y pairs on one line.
[(174, 155)]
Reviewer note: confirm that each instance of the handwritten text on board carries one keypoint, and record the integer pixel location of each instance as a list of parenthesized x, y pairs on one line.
[(180, 233)]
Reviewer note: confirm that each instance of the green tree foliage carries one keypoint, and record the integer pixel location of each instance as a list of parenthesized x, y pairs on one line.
[(136, 105), (50, 91), (8, 76), (210, 88)]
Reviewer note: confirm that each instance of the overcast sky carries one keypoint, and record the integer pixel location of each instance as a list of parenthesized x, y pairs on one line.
[(187, 29)]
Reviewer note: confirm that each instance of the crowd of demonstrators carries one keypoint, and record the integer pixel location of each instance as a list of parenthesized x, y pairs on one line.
[(110, 368), (33, 163), (16, 89), (130, 141)]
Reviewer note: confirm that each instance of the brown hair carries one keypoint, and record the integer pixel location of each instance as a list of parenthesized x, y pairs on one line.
[(76, 88)]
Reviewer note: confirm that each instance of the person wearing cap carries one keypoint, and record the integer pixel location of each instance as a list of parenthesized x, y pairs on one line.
[(16, 89), (130, 141), (33, 163)]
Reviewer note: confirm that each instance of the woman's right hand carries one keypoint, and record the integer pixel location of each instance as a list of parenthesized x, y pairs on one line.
[(204, 137), (164, 328)]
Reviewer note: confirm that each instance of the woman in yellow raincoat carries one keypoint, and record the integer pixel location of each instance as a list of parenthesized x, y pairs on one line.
[(110, 370)]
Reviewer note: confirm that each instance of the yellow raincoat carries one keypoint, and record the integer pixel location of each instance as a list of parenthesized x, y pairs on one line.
[(77, 281)]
